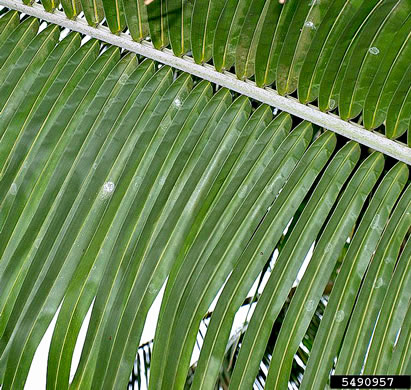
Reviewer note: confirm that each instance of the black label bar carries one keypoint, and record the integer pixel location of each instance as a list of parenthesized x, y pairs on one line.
[(370, 381)]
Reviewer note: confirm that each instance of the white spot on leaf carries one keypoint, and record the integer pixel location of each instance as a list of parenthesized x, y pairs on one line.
[(13, 189), (137, 181), (309, 305), (107, 189), (310, 24), (374, 50), (177, 102), (388, 259), (379, 283), (339, 316)]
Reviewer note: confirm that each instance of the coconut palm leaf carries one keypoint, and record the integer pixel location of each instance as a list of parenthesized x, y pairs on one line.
[(120, 176)]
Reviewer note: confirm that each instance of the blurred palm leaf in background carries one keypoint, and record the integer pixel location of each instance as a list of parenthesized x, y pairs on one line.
[(119, 176)]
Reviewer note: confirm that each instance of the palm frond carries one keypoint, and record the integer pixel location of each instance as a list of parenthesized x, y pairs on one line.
[(119, 175)]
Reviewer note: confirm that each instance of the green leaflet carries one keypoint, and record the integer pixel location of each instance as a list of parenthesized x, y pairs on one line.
[(113, 112), (220, 220), (30, 62), (389, 74), (269, 303), (93, 11), (392, 314), (245, 272), (320, 51), (249, 37), (136, 16), (16, 44), (372, 44), (398, 115), (313, 161), (356, 260), (22, 102), (79, 208), (50, 5), (140, 106), (337, 60), (284, 20), (70, 313), (306, 20), (114, 12), (264, 73), (17, 370), (177, 90), (72, 8), (168, 238), (121, 254), (400, 361), (258, 119), (374, 286), (409, 138), (46, 114), (158, 23), (8, 22), (28, 2), (16, 118), (179, 22), (227, 32), (205, 16)]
